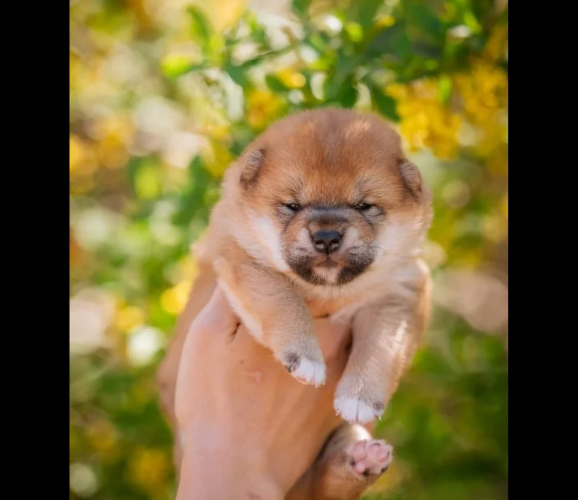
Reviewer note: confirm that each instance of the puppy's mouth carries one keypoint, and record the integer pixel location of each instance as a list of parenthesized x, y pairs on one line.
[(327, 263), (327, 270)]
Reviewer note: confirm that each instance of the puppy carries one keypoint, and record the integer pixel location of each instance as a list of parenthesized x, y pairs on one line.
[(322, 215)]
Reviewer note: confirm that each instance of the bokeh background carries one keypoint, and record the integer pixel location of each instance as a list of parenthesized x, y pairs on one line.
[(164, 94)]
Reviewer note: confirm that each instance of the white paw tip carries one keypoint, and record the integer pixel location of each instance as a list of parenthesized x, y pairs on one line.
[(310, 372), (354, 410)]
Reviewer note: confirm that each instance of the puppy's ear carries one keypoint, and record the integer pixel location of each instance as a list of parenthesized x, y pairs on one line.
[(411, 177), (253, 162)]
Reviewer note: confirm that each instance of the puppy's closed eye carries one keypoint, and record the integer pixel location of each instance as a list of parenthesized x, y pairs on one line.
[(294, 207)]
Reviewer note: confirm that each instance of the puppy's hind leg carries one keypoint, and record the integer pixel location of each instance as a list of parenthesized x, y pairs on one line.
[(349, 464)]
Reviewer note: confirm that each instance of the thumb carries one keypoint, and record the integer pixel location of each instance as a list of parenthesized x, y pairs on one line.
[(217, 317)]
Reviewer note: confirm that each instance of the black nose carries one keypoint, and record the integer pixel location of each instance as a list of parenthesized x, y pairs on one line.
[(327, 241)]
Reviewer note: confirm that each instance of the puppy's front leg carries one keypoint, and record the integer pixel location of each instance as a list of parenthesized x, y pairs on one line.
[(385, 338), (273, 313)]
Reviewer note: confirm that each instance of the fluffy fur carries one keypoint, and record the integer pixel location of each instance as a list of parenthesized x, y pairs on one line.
[(323, 215)]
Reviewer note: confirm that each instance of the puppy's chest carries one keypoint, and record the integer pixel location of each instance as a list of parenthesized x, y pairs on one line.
[(340, 306), (320, 308), (347, 299)]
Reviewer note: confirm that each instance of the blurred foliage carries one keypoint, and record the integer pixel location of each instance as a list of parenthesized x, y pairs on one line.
[(163, 95)]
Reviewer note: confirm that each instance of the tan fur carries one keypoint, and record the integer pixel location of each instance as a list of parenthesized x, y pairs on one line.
[(327, 161), (332, 476)]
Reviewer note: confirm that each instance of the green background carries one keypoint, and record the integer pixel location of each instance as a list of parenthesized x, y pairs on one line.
[(165, 94)]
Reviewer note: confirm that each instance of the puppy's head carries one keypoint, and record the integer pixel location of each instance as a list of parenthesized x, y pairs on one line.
[(329, 192)]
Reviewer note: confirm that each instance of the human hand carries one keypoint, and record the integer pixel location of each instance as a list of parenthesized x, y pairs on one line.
[(249, 428)]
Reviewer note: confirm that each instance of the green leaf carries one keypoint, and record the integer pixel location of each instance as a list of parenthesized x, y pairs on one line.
[(147, 183), (367, 10), (354, 31), (200, 27), (483, 9), (257, 32), (249, 63), (236, 73), (472, 22), (392, 40), (384, 103), (301, 6), (275, 84), (319, 42), (427, 50), (445, 89), (428, 22), (192, 201), (174, 66), (348, 93)]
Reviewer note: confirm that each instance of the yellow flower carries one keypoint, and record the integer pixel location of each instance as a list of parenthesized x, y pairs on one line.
[(262, 108), (82, 159), (115, 133), (218, 158), (102, 436), (425, 120), (222, 14), (81, 185), (385, 21), (174, 299), (148, 468), (188, 269), (217, 131), (292, 79), (484, 94), (471, 258), (497, 44), (497, 163), (128, 317)]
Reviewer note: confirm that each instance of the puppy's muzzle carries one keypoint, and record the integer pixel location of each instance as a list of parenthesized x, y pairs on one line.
[(327, 225), (326, 241)]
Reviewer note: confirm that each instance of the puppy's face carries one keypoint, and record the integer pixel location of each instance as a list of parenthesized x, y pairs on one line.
[(328, 193)]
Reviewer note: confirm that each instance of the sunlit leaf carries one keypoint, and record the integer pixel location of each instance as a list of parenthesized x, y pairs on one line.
[(445, 88), (200, 26)]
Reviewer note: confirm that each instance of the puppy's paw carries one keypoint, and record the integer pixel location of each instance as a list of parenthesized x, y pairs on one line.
[(305, 370), (358, 399), (369, 457), (356, 409)]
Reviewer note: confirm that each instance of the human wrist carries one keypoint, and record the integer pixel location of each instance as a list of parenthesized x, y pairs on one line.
[(215, 465)]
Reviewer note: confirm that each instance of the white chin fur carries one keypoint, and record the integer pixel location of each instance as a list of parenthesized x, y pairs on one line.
[(328, 275)]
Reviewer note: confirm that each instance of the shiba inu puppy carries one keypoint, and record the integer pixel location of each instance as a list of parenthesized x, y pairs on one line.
[(324, 215)]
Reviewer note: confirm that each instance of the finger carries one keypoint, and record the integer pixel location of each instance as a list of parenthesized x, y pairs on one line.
[(216, 318), (333, 338)]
